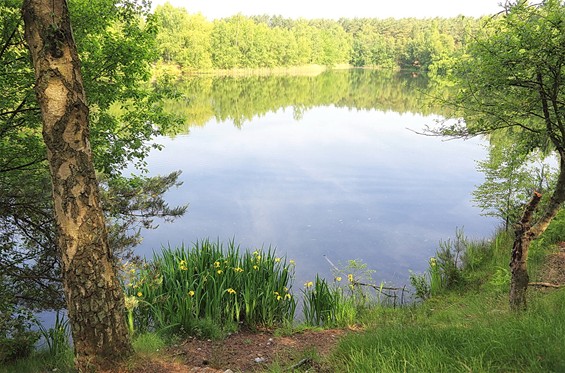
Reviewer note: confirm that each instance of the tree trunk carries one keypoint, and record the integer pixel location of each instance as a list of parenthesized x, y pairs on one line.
[(526, 233), (519, 262), (94, 297)]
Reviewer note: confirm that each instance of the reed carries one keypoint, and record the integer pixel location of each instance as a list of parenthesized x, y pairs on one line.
[(208, 289)]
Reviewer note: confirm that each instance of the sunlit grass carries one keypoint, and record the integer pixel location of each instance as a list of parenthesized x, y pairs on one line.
[(466, 328), (464, 334)]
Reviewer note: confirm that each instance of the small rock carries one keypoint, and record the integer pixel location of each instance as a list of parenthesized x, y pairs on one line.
[(259, 360)]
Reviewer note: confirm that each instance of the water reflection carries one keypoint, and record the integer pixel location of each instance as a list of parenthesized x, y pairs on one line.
[(339, 182), (242, 98)]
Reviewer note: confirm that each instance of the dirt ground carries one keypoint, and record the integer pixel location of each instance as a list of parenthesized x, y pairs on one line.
[(553, 270), (244, 352)]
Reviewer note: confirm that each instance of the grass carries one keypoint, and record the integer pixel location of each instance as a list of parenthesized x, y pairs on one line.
[(466, 328), (460, 334)]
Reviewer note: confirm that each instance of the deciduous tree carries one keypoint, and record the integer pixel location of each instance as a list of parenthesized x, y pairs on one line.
[(512, 83), (94, 297)]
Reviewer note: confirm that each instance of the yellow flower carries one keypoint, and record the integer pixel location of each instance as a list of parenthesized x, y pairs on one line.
[(238, 269), (433, 261), (277, 260), (279, 297), (231, 291), (219, 271), (287, 296), (191, 293), (255, 253), (291, 262), (308, 284), (183, 266), (255, 267), (217, 264), (276, 293), (350, 277), (139, 294), (338, 278), (131, 302)]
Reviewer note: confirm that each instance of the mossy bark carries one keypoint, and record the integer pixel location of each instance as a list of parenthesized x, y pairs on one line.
[(93, 293)]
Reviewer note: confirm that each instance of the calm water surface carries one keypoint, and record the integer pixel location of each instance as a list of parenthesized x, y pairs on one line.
[(336, 182)]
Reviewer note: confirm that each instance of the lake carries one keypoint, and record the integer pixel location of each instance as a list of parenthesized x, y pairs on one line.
[(327, 166)]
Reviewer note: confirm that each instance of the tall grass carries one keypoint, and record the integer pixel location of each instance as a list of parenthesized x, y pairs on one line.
[(326, 305), (462, 335), (207, 290), (470, 329)]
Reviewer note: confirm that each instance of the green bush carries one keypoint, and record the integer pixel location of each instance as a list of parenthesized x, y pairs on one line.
[(17, 340)]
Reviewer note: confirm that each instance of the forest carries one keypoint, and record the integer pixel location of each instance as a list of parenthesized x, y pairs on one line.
[(197, 44)]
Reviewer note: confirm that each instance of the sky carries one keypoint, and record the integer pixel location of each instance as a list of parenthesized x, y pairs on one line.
[(333, 9)]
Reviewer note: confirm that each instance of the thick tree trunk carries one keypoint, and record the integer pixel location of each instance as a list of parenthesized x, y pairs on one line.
[(93, 293)]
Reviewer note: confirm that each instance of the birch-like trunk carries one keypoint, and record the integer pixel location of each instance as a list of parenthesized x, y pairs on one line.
[(94, 297)]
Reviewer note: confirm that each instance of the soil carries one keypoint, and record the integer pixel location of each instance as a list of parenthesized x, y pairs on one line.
[(244, 351), (553, 270)]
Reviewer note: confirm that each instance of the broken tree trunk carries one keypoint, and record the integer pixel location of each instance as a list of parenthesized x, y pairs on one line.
[(519, 262)]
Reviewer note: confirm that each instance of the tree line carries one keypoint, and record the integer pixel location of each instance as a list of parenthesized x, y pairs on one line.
[(195, 43)]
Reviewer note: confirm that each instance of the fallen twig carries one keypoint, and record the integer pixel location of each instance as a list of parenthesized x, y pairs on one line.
[(300, 363), (546, 284)]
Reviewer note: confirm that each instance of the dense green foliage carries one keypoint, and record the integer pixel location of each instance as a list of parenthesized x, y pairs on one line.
[(510, 87), (272, 41)]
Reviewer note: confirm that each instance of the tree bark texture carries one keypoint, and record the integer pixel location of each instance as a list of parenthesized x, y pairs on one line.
[(519, 262), (94, 297)]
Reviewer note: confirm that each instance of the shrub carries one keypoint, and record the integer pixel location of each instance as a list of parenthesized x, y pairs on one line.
[(17, 340)]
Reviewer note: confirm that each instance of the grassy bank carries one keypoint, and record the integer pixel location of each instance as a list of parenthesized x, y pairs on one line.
[(172, 70), (475, 332), (467, 327)]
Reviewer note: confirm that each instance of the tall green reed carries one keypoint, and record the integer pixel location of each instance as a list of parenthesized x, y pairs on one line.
[(206, 289), (326, 305), (57, 337)]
